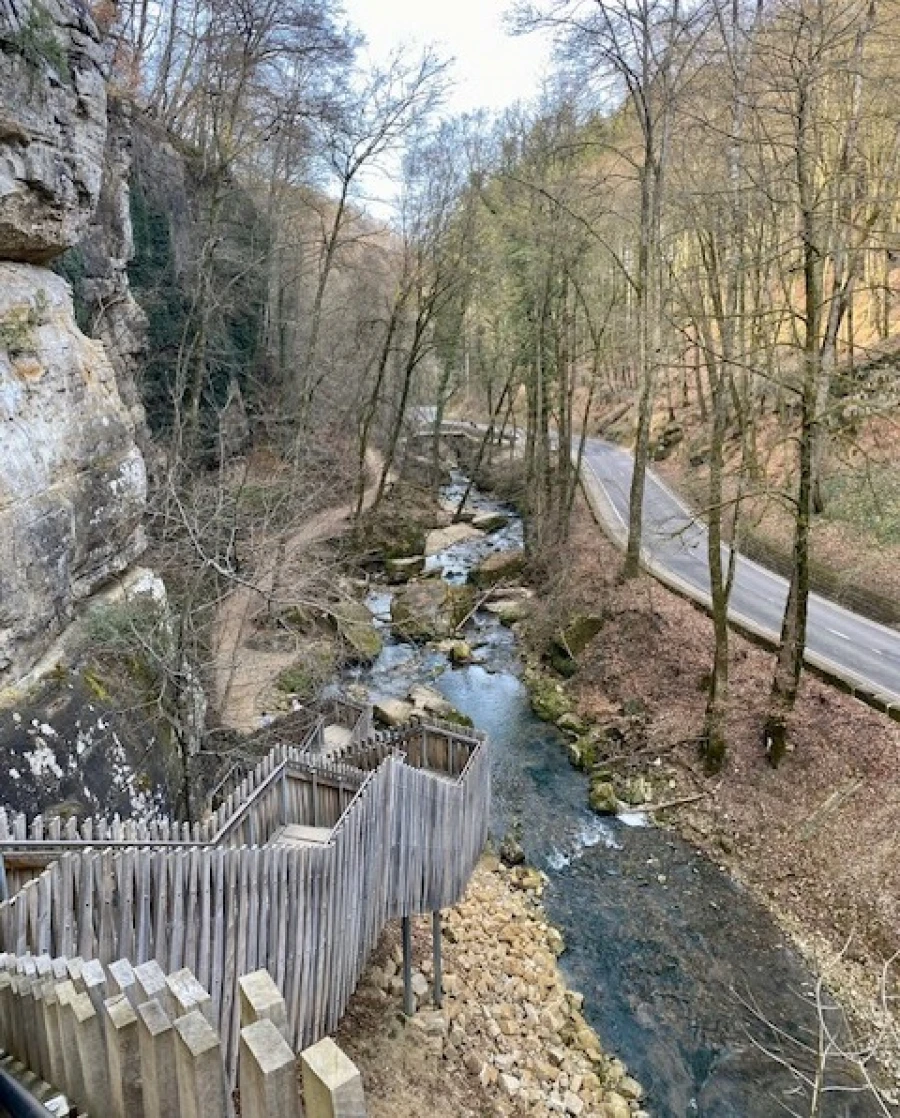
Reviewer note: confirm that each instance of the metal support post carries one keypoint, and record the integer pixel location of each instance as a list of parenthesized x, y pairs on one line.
[(438, 982), (409, 1007)]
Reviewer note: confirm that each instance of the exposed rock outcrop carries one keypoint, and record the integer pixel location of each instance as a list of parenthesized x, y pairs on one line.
[(72, 480), (114, 316), (52, 126)]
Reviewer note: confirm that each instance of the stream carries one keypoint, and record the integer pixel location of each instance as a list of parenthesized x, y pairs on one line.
[(678, 966)]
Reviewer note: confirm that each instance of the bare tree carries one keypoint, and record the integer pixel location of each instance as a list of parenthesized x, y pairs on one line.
[(363, 132), (645, 47)]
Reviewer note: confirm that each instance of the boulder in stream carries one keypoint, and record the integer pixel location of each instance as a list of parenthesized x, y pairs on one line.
[(498, 566), (439, 539), (459, 651), (490, 521), (429, 609), (355, 624), (392, 712), (431, 701)]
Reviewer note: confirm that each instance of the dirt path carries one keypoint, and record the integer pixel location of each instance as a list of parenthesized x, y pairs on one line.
[(242, 674)]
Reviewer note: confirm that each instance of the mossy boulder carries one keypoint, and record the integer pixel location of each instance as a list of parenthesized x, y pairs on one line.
[(316, 663), (637, 790), (582, 753), (402, 569), (397, 528), (356, 626), (571, 723), (498, 566), (548, 701), (458, 651), (602, 797), (571, 641), (429, 609)]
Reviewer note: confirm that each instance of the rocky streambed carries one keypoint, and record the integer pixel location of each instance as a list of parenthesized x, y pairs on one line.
[(682, 973)]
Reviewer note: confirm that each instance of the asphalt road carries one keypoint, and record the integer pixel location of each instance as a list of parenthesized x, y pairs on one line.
[(863, 653)]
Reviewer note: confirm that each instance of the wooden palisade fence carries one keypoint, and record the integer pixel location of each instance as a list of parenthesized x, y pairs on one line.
[(401, 818)]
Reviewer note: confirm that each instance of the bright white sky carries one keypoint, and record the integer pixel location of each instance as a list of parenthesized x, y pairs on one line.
[(492, 68)]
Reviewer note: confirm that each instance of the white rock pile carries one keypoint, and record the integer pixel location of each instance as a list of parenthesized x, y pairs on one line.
[(507, 1017)]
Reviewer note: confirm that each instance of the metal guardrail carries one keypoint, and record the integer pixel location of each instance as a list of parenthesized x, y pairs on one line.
[(19, 1102)]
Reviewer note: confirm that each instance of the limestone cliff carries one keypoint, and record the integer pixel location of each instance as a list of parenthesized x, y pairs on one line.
[(72, 481), (52, 126), (113, 314)]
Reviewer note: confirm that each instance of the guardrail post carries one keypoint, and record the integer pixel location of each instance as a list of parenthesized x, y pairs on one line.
[(332, 1086), (158, 1068), (261, 1000), (267, 1073), (150, 984), (91, 1045), (201, 1068), (187, 994), (123, 1048)]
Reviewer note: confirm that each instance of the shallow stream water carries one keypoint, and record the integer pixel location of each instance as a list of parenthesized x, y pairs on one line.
[(679, 967)]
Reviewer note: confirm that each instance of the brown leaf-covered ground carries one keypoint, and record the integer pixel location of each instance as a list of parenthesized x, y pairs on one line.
[(817, 840)]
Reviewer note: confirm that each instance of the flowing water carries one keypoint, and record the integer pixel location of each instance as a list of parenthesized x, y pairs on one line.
[(679, 967)]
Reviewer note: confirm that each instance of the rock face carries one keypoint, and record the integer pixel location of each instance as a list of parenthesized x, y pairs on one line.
[(52, 126), (115, 317), (72, 481)]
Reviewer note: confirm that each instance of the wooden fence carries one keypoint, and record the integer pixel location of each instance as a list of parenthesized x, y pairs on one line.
[(409, 813), (121, 1042)]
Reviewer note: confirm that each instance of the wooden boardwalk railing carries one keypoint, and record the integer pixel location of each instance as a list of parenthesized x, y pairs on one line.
[(409, 815)]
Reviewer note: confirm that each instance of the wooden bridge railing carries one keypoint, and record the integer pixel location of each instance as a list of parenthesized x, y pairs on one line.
[(404, 841)]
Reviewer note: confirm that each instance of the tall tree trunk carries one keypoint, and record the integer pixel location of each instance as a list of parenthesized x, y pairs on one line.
[(789, 664)]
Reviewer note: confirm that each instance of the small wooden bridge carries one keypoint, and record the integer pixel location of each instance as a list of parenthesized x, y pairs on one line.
[(296, 868)]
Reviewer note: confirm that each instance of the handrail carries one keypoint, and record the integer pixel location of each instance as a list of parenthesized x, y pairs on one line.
[(238, 816), (370, 776)]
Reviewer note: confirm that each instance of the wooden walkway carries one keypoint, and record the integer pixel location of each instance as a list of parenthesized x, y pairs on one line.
[(297, 869)]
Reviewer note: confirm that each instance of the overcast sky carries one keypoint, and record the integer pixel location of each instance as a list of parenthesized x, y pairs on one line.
[(492, 69)]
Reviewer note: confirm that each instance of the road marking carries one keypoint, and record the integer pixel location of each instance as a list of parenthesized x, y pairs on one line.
[(838, 633)]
